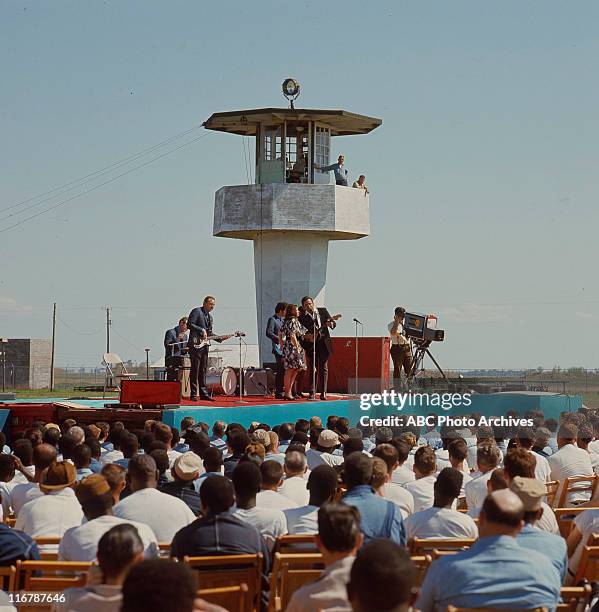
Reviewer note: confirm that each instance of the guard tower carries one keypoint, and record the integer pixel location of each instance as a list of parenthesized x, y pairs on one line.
[(291, 212)]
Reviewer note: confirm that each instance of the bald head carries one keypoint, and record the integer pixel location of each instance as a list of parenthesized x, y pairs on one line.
[(502, 514), (43, 456)]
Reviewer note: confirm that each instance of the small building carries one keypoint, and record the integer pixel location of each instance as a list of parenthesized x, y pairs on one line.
[(27, 363)]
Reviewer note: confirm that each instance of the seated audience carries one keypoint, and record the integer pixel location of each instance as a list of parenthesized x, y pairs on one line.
[(268, 520), (81, 543), (322, 487), (213, 465), (338, 540), (380, 518), (570, 461), (272, 479), (392, 491), (186, 469), (425, 466), (164, 514), (495, 572), (118, 550), (382, 579), (294, 486), (441, 521), (531, 493), (487, 459), (58, 509)]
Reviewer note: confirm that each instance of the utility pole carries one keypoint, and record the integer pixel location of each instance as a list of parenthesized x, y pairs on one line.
[(108, 323), (53, 345)]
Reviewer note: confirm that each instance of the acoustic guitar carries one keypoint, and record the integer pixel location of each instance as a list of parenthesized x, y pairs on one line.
[(309, 336)]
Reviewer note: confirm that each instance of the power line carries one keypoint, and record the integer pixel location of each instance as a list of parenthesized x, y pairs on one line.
[(111, 180), (93, 175)]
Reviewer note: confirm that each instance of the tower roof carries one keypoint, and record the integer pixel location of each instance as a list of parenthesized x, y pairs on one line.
[(244, 122)]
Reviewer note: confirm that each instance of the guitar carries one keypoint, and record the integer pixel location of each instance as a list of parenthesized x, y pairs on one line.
[(206, 341), (309, 336)]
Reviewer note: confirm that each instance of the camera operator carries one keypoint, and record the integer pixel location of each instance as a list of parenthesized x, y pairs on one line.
[(401, 350)]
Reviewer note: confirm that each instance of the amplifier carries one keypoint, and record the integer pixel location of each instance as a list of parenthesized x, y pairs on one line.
[(255, 382)]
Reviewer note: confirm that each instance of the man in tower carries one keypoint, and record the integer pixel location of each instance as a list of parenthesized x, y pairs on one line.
[(174, 347), (200, 326), (318, 322), (338, 169), (401, 351)]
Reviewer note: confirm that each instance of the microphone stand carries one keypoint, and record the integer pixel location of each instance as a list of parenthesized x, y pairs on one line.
[(357, 353), (314, 322), (241, 400)]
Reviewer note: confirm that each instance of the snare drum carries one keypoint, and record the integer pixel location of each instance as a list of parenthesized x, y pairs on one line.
[(222, 381)]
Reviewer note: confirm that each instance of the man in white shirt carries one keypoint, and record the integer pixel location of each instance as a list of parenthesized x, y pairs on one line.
[(520, 462), (584, 439), (487, 459), (165, 514), (163, 433), (328, 441), (269, 521), (23, 451), (110, 456), (441, 521), (525, 439), (7, 473), (400, 350), (484, 435), (392, 491), (43, 456), (425, 466), (570, 461), (457, 451), (295, 484), (402, 474), (81, 543), (339, 538), (272, 479), (58, 509), (322, 486)]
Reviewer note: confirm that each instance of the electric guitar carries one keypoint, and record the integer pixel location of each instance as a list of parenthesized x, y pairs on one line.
[(206, 341), (309, 336)]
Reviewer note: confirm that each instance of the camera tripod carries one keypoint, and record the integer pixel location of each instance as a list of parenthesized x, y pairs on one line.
[(418, 355)]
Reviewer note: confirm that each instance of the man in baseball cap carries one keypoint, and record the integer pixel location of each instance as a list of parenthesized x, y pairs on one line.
[(531, 493), (185, 470), (327, 442)]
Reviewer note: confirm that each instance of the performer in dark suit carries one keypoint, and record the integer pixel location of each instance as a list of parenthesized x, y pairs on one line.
[(174, 347), (319, 320), (200, 326), (273, 327)]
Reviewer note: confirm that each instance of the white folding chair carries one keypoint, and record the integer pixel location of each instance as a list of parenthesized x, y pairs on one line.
[(112, 361)]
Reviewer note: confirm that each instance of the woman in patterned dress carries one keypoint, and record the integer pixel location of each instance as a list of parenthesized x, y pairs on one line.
[(294, 356)]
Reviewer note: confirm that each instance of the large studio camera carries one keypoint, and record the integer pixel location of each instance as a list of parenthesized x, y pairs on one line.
[(422, 328)]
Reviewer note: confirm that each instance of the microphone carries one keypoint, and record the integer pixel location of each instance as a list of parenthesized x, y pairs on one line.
[(356, 321)]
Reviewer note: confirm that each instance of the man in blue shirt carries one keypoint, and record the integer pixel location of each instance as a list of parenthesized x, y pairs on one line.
[(338, 169), (379, 518), (496, 572), (16, 546), (531, 493)]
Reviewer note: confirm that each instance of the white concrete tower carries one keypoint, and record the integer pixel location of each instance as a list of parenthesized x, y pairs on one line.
[(291, 212)]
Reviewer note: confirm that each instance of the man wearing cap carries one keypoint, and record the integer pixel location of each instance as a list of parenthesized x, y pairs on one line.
[(570, 461), (323, 453), (496, 572), (185, 470), (58, 509), (81, 543), (531, 493)]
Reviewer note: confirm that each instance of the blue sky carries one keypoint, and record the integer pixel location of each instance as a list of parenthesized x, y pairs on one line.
[(483, 175)]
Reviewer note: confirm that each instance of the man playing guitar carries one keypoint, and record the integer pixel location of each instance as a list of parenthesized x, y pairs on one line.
[(200, 326), (318, 322)]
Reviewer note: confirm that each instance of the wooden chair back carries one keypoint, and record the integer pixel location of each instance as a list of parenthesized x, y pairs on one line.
[(164, 549), (574, 599), (298, 543), (48, 554), (565, 518), (588, 566), (437, 554), (51, 575), (289, 573), (422, 563), (220, 571), (8, 577), (576, 484), (230, 598), (552, 489), (422, 546)]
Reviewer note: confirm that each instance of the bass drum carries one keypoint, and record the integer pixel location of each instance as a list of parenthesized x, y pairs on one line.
[(221, 381)]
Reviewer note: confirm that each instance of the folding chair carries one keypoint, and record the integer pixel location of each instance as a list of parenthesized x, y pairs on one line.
[(575, 599), (289, 573), (231, 570), (50, 553), (229, 598), (588, 566), (111, 361), (576, 484), (565, 518), (421, 546), (298, 543), (8, 578), (422, 563)]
